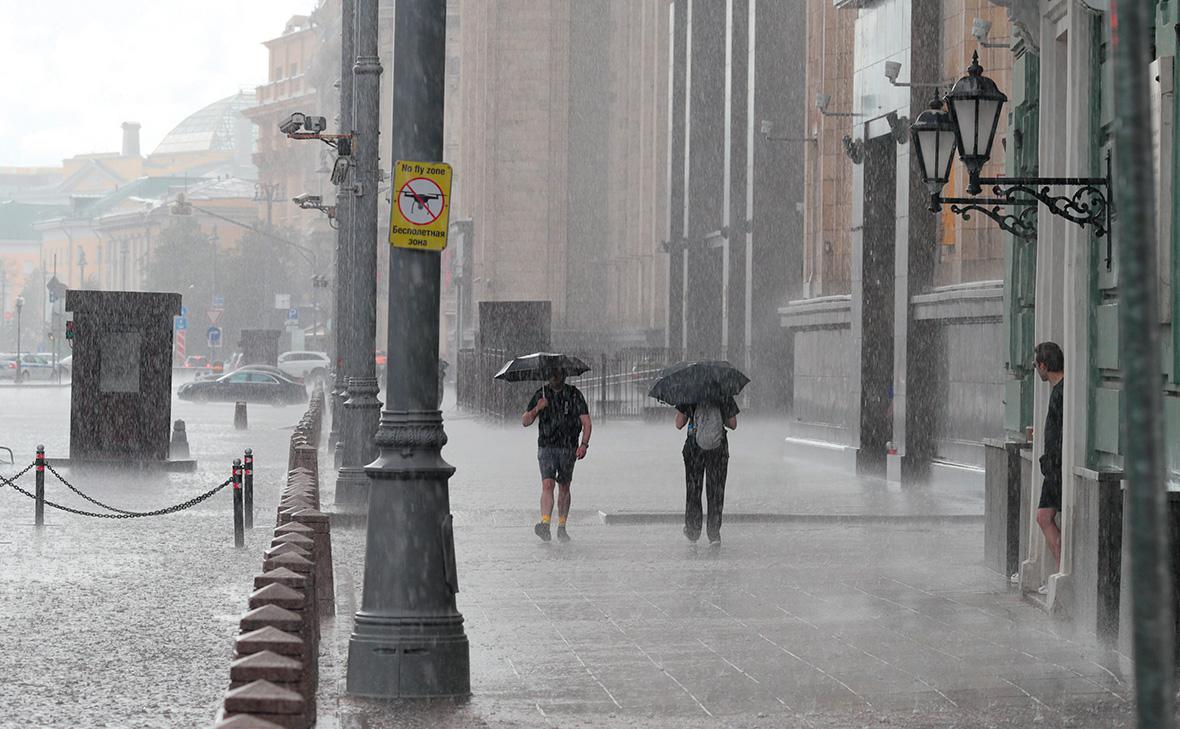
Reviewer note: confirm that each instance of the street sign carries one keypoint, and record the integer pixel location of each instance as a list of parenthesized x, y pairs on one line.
[(214, 336), (422, 203), (181, 323), (218, 301), (180, 337), (214, 314), (292, 314), (184, 311)]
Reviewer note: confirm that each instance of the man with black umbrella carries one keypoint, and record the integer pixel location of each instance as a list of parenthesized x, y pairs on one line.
[(563, 415), (706, 462)]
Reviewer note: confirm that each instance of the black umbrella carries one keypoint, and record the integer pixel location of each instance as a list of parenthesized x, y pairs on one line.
[(540, 365), (689, 383)]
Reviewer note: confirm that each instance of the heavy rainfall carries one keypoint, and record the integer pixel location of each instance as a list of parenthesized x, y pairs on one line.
[(589, 363)]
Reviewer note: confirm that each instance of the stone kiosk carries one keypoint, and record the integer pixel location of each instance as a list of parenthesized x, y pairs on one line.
[(260, 346), (121, 400)]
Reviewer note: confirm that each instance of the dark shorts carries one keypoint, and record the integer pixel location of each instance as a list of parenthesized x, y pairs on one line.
[(1050, 496), (557, 464)]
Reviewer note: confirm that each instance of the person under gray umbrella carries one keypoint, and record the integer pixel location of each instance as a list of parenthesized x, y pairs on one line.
[(562, 415), (703, 395)]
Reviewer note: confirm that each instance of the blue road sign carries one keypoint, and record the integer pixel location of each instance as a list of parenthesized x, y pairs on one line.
[(292, 314), (181, 322), (184, 311), (218, 301), (214, 335)]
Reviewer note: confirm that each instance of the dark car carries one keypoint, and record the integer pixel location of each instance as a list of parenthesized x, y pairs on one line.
[(245, 386)]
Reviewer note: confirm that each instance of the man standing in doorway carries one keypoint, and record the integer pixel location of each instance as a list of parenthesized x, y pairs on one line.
[(1050, 366), (563, 416)]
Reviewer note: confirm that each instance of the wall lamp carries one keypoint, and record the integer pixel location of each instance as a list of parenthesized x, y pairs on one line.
[(767, 129), (981, 28), (893, 70), (968, 126), (823, 101)]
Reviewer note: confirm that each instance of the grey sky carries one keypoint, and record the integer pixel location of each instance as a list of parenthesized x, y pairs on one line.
[(74, 70)]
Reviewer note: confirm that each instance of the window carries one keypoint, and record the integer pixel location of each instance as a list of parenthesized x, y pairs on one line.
[(239, 377), (260, 377)]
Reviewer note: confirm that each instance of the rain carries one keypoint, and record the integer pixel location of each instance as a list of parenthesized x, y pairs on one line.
[(589, 363)]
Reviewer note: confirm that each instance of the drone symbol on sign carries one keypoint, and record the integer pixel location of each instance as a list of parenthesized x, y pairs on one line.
[(417, 201)]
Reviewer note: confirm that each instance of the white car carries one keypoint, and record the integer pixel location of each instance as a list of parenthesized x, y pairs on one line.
[(32, 367), (305, 366)]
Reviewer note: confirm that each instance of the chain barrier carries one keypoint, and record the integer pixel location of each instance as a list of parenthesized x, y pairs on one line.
[(92, 500), (118, 513)]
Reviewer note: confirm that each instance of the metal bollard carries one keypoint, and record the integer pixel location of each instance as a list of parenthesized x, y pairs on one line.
[(240, 420), (248, 484), (239, 531), (39, 513)]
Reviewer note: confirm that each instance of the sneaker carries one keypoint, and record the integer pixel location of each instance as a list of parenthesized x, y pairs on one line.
[(562, 534), (1043, 590), (542, 531), (1015, 578), (692, 534), (715, 541)]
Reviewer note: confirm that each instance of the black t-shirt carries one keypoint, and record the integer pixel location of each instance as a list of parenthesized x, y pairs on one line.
[(1051, 459), (559, 424), (729, 409)]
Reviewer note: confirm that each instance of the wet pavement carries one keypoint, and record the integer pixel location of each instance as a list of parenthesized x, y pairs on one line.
[(789, 623), (867, 622), (126, 623)]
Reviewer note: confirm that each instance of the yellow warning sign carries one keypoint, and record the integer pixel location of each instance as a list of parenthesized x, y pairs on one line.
[(421, 204)]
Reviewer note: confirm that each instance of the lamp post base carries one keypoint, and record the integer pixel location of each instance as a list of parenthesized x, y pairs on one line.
[(392, 657), (362, 413)]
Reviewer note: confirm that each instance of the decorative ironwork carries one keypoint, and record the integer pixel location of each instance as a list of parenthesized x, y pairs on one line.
[(1088, 205), (1022, 224)]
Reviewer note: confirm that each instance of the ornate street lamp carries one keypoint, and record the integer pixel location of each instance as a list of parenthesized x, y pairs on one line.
[(974, 107), (933, 133), (975, 104)]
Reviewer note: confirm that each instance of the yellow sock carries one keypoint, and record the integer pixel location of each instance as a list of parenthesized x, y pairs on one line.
[(545, 518), (561, 521)]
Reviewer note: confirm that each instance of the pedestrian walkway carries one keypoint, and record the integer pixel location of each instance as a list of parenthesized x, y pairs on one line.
[(787, 624)]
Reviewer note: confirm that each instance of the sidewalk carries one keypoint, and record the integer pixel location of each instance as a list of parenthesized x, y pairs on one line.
[(787, 624)]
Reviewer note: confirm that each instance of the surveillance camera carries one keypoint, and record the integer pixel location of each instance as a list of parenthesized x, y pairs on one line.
[(307, 200), (766, 127), (892, 70), (980, 28), (315, 124), (292, 124), (822, 100)]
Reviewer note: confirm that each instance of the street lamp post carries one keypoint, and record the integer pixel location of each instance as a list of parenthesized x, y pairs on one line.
[(408, 637), (343, 311), (362, 409), (20, 304)]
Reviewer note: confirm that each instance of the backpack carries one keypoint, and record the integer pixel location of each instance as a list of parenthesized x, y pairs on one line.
[(708, 427)]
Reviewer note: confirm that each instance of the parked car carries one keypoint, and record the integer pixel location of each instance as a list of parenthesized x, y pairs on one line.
[(245, 385), (305, 365), (32, 367)]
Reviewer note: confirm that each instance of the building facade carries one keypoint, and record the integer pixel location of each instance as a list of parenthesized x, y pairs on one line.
[(561, 109)]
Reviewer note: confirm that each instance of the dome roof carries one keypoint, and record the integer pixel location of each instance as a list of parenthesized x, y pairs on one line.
[(213, 128)]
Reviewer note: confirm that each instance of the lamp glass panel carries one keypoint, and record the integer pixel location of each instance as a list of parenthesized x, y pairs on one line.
[(946, 154), (967, 120), (928, 153)]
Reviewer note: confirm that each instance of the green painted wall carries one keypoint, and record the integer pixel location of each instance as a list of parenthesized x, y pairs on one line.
[(1020, 256)]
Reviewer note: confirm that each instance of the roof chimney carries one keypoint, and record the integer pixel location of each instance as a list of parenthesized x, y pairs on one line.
[(131, 139)]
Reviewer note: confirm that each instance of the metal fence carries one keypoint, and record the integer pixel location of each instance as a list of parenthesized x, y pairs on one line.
[(615, 387)]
